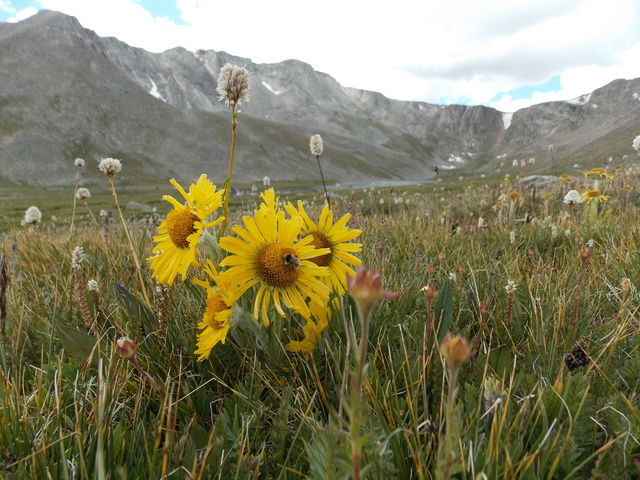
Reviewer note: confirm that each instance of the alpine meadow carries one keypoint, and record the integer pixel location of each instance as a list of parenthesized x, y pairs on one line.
[(472, 327)]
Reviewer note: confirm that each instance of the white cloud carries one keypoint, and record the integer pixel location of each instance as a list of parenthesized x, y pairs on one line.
[(461, 51), (6, 6), (23, 14)]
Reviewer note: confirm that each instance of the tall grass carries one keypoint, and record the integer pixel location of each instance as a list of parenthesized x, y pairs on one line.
[(551, 390)]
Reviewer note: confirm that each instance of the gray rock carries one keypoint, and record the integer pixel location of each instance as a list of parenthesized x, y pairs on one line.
[(539, 182), (137, 206)]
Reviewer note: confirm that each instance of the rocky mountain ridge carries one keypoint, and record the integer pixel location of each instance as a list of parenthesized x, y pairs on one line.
[(65, 92)]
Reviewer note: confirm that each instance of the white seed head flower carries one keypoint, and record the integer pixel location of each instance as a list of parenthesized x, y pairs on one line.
[(480, 222), (567, 233), (77, 257), (315, 144), (110, 166), (523, 163), (32, 216), (590, 243), (572, 198), (554, 231), (103, 213), (511, 287), (532, 161), (83, 193), (636, 144), (512, 237), (515, 163), (92, 286), (266, 181), (78, 162), (552, 148), (453, 277), (233, 84)]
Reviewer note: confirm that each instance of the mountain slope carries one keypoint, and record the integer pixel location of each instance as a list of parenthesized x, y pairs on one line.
[(66, 92)]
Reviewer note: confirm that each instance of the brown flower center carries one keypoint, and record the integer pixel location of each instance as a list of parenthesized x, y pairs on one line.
[(320, 240), (181, 224), (278, 265), (215, 305)]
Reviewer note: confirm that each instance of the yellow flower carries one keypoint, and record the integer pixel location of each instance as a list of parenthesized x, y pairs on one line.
[(598, 172), (312, 330), (217, 316), (265, 252), (336, 238), (180, 233), (591, 195), (456, 350), (565, 179)]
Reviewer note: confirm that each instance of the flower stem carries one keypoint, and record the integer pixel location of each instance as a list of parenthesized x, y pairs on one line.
[(326, 194), (133, 250), (75, 191), (227, 190)]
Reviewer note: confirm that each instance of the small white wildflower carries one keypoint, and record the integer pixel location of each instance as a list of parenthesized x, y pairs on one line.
[(636, 144), (233, 84), (576, 166), (381, 201), (552, 148), (92, 286), (266, 181), (458, 230), (78, 162), (512, 237), (523, 163), (515, 163), (54, 218), (32, 216), (532, 161), (572, 198), (83, 193), (453, 277), (110, 166), (77, 257), (590, 243), (554, 231), (511, 287), (103, 213), (315, 144), (567, 233), (481, 222)]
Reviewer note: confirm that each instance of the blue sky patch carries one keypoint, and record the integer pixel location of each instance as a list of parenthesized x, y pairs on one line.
[(526, 91), (163, 8)]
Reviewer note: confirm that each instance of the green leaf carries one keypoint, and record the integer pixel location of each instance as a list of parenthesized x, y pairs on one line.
[(444, 310), (137, 309), (79, 345), (199, 435), (500, 360)]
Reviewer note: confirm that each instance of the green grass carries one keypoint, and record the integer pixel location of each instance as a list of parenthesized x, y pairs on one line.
[(256, 410)]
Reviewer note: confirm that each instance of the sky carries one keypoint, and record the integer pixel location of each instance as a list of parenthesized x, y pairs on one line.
[(506, 54)]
